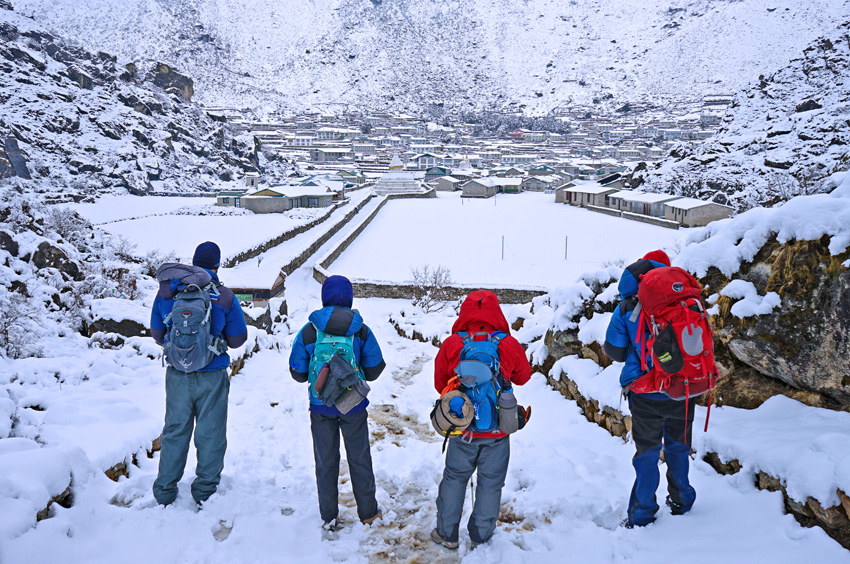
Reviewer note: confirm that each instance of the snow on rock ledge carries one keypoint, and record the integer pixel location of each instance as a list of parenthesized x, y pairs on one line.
[(31, 478)]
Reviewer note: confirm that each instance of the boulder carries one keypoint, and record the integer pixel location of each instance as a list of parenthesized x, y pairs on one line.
[(165, 77), (808, 106), (8, 243), (48, 255), (804, 345), (123, 327)]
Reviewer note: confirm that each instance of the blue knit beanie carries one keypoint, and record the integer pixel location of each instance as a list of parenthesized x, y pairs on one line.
[(207, 255), (337, 291)]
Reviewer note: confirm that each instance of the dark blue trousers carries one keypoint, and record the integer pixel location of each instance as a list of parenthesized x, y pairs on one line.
[(193, 401), (657, 422), (355, 433)]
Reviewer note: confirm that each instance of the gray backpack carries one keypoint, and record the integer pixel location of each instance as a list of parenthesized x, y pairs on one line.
[(189, 345)]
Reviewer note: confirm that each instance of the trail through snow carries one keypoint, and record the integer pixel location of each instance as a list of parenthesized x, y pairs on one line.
[(565, 493)]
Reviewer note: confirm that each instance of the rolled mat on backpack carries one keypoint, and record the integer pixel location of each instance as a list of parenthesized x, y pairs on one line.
[(447, 420)]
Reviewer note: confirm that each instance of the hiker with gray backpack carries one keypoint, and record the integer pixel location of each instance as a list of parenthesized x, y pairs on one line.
[(195, 319), (475, 371), (336, 354)]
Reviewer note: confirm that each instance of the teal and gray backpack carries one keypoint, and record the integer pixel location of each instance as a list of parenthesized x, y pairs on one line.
[(189, 344), (480, 377), (335, 378)]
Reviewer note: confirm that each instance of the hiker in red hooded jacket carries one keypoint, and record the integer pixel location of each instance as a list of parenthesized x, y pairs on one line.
[(487, 452)]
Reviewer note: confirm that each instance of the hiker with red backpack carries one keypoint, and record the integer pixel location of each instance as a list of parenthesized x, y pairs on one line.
[(475, 370), (336, 354), (660, 331)]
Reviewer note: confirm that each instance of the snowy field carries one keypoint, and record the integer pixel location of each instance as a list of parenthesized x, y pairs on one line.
[(151, 227), (114, 208), (465, 235)]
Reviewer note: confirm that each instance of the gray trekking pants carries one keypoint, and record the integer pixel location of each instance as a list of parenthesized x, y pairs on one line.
[(199, 400), (490, 457)]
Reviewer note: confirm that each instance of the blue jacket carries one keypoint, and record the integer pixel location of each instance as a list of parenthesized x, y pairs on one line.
[(623, 328), (226, 320), (336, 320)]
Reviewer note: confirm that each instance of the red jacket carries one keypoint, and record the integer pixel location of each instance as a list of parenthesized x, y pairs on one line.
[(480, 312)]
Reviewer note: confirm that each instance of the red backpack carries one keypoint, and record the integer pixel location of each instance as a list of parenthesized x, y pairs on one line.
[(674, 329)]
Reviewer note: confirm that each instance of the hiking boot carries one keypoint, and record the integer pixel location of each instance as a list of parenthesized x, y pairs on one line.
[(675, 508), (435, 536), (626, 524), (334, 525), (373, 518)]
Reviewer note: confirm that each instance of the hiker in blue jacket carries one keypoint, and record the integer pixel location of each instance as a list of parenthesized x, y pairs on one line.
[(656, 419), (326, 422), (197, 399)]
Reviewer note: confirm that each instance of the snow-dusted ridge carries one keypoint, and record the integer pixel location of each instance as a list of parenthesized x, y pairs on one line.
[(410, 54)]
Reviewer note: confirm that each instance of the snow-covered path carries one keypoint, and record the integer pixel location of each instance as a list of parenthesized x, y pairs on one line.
[(565, 494)]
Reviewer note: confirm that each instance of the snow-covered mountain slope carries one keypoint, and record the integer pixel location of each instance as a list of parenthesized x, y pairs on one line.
[(784, 135), (80, 123), (468, 55)]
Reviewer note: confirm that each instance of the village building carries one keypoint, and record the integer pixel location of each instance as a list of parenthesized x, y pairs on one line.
[(447, 183), (436, 172), (585, 194), (643, 203), (229, 198), (480, 188), (541, 183), (252, 179), (691, 212), (279, 199)]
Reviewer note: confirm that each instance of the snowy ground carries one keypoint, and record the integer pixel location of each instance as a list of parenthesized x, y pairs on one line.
[(114, 208), (151, 226), (566, 490), (565, 494), (465, 235)]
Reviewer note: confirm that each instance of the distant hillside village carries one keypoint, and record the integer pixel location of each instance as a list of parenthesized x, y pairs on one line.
[(588, 166)]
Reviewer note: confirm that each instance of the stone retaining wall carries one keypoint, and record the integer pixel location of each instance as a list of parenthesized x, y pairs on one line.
[(606, 211), (660, 222), (256, 251)]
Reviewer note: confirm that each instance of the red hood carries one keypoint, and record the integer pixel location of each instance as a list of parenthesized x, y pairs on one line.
[(480, 311)]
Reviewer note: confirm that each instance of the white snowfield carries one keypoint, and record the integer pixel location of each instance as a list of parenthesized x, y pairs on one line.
[(82, 409), (465, 235), (152, 226)]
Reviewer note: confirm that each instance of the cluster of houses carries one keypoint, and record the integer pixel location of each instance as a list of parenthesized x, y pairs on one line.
[(610, 197), (370, 140)]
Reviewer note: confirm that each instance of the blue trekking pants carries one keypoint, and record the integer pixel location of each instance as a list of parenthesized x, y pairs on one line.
[(654, 422), (490, 457), (355, 432), (199, 400)]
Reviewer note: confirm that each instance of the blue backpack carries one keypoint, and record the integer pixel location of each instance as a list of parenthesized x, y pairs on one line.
[(481, 378)]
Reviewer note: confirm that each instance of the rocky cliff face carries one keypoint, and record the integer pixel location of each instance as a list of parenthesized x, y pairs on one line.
[(78, 123), (782, 137)]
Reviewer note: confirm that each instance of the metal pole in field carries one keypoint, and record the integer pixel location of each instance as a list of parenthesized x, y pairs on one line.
[(503, 247), (566, 245)]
